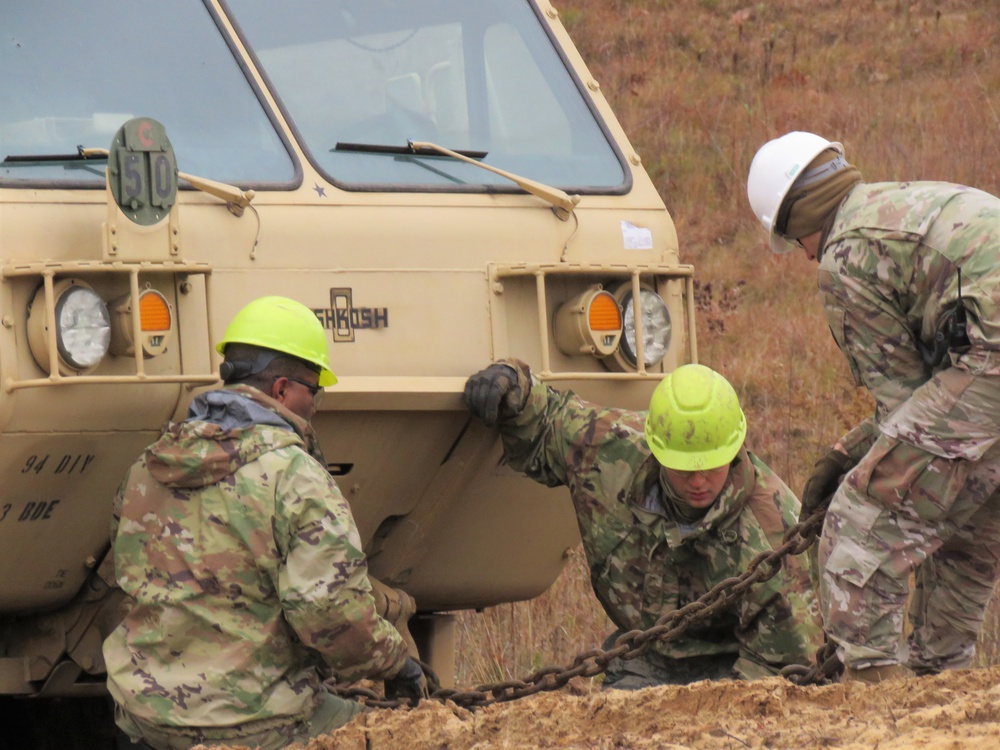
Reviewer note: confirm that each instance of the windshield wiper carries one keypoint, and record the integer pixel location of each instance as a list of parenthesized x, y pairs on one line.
[(235, 198), (562, 203), (378, 148), (82, 154)]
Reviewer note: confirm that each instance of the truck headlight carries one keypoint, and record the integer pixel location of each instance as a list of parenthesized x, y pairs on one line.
[(656, 325), (82, 327)]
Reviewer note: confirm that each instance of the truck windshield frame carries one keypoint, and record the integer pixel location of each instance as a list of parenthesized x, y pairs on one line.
[(485, 76), (62, 90)]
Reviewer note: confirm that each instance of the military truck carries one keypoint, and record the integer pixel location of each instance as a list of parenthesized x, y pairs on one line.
[(442, 181)]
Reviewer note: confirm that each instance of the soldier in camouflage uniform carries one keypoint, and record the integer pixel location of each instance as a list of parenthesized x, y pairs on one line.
[(910, 283), (242, 558), (669, 503)]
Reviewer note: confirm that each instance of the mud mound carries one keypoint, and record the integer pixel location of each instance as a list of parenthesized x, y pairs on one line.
[(953, 711)]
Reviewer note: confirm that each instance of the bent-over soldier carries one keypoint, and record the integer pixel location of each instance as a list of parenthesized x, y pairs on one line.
[(669, 503)]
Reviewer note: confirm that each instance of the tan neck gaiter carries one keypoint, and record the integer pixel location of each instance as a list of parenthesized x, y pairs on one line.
[(814, 202)]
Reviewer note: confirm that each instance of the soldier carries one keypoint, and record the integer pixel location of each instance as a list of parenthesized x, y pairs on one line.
[(910, 282), (243, 560), (669, 503)]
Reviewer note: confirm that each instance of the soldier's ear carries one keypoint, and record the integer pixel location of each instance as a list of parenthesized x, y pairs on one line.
[(278, 389)]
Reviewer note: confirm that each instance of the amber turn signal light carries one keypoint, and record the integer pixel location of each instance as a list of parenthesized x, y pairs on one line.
[(589, 323)]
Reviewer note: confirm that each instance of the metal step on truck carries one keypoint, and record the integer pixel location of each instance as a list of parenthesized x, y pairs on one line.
[(441, 181)]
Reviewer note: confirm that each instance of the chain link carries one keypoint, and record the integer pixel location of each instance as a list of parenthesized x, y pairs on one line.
[(763, 567)]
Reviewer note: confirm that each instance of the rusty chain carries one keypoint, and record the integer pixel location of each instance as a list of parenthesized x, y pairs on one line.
[(763, 567)]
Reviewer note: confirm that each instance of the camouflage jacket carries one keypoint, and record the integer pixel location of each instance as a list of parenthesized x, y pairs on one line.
[(889, 279), (646, 562), (246, 570)]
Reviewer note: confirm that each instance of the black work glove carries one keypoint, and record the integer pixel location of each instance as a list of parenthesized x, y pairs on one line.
[(409, 684), (826, 477), (493, 394)]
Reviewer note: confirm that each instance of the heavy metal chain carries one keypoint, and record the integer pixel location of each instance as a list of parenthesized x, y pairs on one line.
[(763, 567)]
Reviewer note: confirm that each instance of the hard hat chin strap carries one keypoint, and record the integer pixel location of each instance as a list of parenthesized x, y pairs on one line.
[(785, 212), (234, 371), (821, 172)]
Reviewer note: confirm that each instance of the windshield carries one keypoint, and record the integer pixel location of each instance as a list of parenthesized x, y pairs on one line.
[(479, 76), (71, 73)]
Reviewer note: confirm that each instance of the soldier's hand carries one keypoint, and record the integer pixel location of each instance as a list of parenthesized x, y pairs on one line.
[(826, 477), (396, 606), (493, 393), (410, 684)]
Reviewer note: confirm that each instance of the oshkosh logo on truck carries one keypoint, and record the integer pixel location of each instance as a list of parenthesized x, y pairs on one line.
[(343, 318)]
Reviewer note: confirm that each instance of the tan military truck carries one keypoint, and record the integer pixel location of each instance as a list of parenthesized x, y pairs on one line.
[(442, 181)]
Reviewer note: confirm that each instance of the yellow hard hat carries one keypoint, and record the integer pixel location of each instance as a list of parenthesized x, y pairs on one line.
[(695, 422), (284, 325)]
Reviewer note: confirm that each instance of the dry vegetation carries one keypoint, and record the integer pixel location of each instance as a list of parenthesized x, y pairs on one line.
[(912, 89)]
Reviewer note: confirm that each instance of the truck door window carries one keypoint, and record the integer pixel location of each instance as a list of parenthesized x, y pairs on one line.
[(470, 76), (62, 88)]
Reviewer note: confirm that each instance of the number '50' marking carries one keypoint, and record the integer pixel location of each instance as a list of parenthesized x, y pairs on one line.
[(146, 175)]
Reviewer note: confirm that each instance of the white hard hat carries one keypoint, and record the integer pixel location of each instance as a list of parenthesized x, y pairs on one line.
[(774, 169)]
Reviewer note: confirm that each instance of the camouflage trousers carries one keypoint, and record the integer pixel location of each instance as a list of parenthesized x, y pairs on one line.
[(653, 669), (270, 734), (904, 510)]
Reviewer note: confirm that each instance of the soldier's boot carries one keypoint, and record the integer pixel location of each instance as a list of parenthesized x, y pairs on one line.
[(396, 606), (876, 674)]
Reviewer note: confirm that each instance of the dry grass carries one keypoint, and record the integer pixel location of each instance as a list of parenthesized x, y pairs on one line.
[(513, 640), (912, 89)]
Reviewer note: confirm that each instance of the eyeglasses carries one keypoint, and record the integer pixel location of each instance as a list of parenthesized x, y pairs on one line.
[(315, 390), (685, 475)]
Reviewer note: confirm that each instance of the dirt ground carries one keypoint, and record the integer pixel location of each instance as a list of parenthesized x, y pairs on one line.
[(952, 711)]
